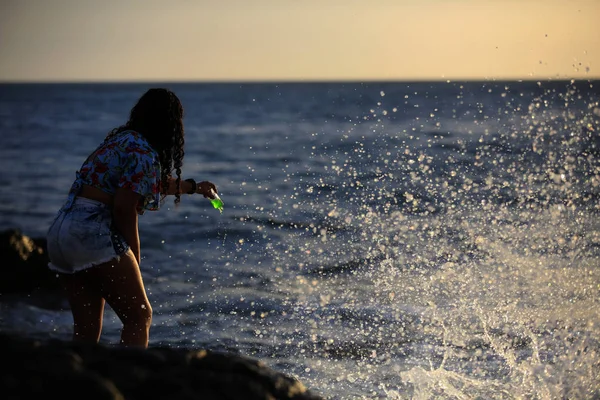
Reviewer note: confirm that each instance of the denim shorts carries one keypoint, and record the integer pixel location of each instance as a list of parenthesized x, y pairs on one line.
[(82, 236)]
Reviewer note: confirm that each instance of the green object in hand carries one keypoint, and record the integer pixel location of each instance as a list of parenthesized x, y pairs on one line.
[(216, 201)]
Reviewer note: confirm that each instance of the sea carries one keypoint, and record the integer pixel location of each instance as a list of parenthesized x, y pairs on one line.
[(379, 240)]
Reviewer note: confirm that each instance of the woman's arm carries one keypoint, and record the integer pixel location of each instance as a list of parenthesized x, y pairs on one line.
[(125, 217), (204, 188)]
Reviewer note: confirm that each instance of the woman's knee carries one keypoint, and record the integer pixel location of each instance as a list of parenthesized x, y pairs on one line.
[(139, 314), (147, 313)]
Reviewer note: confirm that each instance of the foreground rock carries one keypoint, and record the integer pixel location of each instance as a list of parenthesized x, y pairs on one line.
[(56, 369)]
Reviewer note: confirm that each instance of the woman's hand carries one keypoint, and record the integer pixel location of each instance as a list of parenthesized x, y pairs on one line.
[(206, 189)]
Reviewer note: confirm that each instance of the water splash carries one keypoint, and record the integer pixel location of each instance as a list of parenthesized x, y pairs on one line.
[(452, 252)]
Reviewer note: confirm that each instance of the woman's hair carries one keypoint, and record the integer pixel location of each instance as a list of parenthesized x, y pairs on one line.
[(158, 116)]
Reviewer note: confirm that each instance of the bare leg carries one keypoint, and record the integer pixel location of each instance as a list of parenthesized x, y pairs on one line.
[(87, 306), (122, 286)]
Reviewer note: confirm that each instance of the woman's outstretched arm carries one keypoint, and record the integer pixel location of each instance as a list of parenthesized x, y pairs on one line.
[(204, 188)]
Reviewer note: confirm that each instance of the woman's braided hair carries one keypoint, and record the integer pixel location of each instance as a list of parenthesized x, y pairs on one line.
[(158, 116)]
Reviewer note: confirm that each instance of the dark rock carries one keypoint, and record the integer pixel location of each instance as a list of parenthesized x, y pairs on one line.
[(67, 370), (25, 263)]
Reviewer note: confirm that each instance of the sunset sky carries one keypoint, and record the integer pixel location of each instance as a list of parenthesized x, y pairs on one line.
[(243, 40)]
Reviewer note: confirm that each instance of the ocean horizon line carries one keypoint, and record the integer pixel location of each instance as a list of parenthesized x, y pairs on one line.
[(290, 81)]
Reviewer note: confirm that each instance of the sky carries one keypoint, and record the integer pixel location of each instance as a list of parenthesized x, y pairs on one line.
[(298, 40)]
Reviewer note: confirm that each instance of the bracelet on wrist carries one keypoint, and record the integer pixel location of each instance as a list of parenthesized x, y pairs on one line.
[(194, 186)]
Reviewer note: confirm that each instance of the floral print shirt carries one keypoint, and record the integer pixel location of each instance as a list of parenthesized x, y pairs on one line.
[(124, 161)]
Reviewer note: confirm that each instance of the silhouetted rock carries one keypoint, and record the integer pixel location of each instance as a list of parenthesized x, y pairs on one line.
[(25, 264), (66, 370)]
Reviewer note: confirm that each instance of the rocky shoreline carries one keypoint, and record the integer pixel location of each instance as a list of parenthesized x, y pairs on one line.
[(53, 368), (67, 370)]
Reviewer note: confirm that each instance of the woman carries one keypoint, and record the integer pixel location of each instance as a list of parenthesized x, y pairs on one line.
[(93, 243)]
